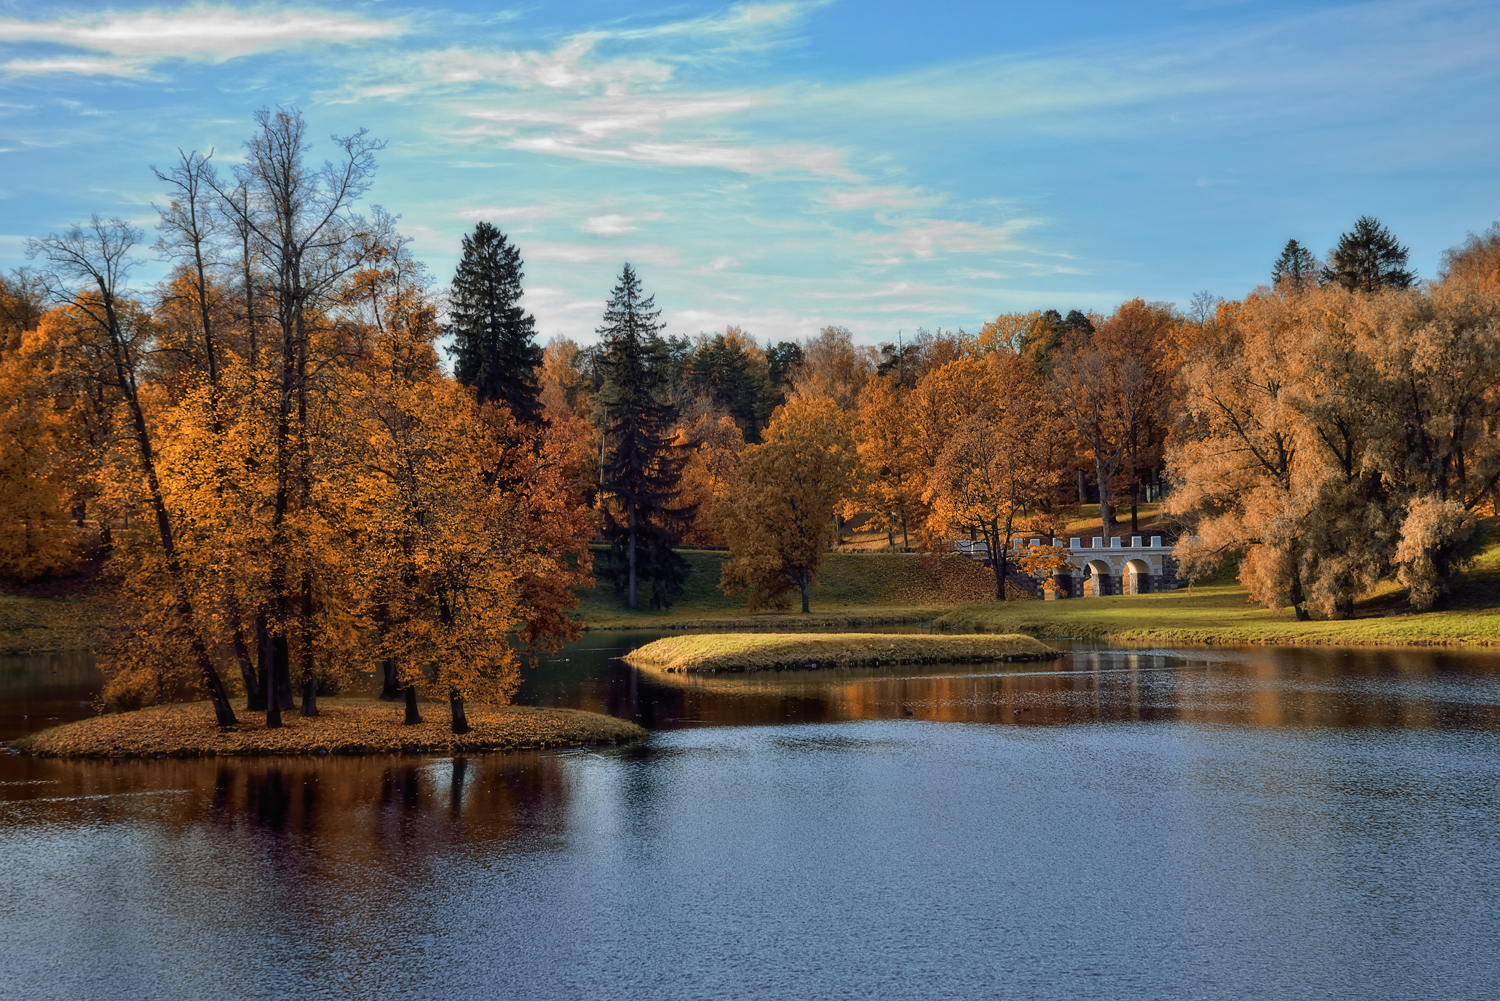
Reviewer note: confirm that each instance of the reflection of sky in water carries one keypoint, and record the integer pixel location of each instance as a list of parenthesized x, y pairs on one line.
[(1186, 824)]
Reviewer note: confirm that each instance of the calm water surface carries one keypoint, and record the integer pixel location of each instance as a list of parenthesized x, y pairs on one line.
[(1155, 824)]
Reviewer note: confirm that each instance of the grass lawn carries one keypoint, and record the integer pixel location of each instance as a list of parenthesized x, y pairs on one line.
[(854, 590), (30, 624)]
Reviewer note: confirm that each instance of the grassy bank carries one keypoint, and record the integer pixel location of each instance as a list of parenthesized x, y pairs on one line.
[(802, 651), (344, 726), (1221, 615), (854, 590), (30, 624)]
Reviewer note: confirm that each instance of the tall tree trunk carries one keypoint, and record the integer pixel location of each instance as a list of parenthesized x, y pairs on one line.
[(1299, 603), (274, 669), (1106, 512), (630, 599), (412, 716), (255, 696), (460, 718), (802, 579), (309, 675), (125, 375), (905, 544)]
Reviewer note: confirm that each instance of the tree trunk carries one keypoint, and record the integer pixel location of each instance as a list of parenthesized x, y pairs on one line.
[(997, 560), (1299, 605), (460, 718), (1106, 515), (905, 545), (412, 716), (630, 599), (309, 677), (125, 374), (273, 686), (390, 691), (803, 581), (1083, 492), (1135, 496)]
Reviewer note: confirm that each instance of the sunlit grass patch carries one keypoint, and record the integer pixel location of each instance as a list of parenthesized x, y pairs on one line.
[(800, 651), (343, 726)]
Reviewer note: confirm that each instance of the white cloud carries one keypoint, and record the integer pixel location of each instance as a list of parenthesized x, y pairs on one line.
[(882, 197), (926, 238), (135, 42), (612, 224)]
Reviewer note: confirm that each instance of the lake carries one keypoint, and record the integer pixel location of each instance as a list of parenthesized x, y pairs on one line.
[(1265, 823)]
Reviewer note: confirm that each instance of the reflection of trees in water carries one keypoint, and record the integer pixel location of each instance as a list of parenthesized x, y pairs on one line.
[(1270, 687)]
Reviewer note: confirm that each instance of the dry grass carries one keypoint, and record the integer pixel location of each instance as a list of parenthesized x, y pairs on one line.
[(803, 651), (344, 726)]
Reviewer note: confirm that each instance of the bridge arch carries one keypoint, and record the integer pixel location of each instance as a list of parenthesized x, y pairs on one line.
[(1136, 578), (1099, 580)]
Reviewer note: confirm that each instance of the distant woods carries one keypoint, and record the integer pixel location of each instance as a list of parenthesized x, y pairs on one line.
[(265, 460)]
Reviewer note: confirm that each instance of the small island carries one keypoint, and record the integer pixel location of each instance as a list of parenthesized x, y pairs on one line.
[(342, 726), (738, 652)]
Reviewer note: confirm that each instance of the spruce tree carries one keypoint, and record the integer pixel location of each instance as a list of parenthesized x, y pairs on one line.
[(1368, 259), (640, 469), (494, 350), (1296, 267)]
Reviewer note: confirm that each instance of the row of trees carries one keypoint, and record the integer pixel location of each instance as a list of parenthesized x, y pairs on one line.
[(284, 487), (1331, 430)]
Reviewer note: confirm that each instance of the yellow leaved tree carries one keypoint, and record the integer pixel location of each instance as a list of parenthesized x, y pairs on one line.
[(779, 517)]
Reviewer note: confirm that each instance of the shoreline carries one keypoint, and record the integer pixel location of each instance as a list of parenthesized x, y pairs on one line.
[(348, 727)]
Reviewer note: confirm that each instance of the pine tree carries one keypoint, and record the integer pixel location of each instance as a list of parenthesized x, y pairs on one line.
[(639, 468), (1296, 267), (1368, 259), (494, 338)]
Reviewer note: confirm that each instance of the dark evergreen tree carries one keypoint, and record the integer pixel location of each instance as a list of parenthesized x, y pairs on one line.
[(1368, 259), (495, 349), (780, 361), (639, 469), (1295, 268), (730, 377), (1077, 321)]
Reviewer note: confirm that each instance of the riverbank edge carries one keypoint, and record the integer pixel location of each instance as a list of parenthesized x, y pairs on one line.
[(739, 653), (346, 727)]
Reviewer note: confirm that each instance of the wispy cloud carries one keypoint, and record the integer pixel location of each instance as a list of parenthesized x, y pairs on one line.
[(135, 42)]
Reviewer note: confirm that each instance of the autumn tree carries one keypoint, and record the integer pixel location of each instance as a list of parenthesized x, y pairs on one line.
[(889, 481), (88, 267), (301, 221), (832, 367), (640, 469), (494, 349), (779, 518)]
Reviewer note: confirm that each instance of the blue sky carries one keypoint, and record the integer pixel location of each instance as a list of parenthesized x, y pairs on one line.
[(782, 166)]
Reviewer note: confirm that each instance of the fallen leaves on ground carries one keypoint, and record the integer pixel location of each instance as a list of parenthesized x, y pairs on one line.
[(343, 726)]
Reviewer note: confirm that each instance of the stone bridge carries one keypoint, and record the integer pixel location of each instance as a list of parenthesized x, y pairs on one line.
[(1099, 569)]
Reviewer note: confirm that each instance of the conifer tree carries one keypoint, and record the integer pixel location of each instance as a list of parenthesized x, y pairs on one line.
[(1296, 267), (1368, 259), (494, 351), (639, 469)]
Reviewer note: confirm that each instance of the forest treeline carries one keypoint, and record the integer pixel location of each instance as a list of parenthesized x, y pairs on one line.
[(284, 482)]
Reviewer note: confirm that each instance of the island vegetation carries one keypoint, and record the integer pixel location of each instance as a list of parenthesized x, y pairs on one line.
[(342, 726), (296, 458), (738, 652)]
